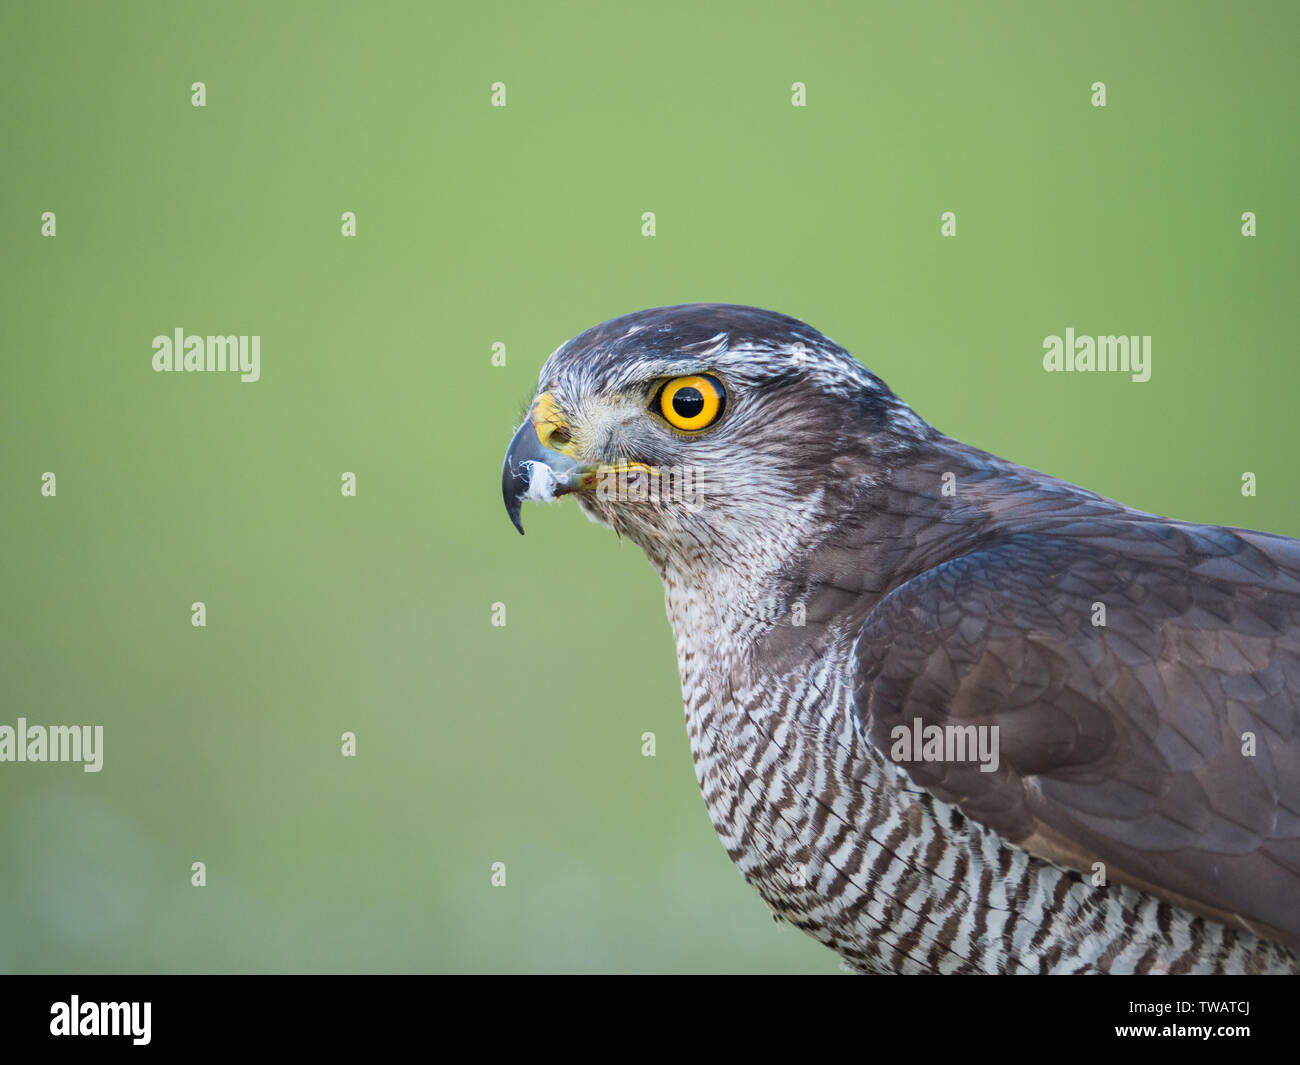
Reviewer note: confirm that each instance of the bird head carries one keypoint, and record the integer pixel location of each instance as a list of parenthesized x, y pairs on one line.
[(705, 430)]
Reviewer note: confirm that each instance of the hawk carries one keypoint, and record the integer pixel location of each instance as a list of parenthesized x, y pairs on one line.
[(947, 713)]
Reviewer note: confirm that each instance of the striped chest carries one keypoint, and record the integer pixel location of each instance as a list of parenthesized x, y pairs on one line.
[(839, 843)]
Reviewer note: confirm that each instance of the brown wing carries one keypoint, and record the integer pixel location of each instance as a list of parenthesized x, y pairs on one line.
[(1120, 743)]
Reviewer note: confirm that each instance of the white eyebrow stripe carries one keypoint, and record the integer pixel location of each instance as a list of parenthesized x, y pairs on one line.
[(715, 344), (650, 369)]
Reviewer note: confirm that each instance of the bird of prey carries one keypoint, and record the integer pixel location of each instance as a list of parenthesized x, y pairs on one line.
[(948, 714)]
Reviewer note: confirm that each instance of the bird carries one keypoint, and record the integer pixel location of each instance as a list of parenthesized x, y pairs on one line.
[(948, 714)]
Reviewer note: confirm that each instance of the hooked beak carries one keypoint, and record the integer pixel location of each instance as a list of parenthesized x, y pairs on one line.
[(532, 470)]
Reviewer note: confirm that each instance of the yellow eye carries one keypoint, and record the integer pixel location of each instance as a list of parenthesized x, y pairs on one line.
[(691, 403)]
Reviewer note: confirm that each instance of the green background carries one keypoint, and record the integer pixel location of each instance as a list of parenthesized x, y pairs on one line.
[(522, 225)]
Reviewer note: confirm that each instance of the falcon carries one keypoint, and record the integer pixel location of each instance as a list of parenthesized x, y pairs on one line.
[(948, 714)]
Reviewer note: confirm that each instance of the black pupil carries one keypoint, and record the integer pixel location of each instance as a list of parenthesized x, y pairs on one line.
[(688, 403)]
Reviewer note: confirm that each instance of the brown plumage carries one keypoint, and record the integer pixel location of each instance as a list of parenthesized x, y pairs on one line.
[(858, 573)]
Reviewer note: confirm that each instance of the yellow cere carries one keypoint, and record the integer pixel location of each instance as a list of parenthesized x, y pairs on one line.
[(547, 420)]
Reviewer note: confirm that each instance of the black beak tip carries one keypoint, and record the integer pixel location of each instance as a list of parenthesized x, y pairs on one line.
[(514, 484), (525, 454)]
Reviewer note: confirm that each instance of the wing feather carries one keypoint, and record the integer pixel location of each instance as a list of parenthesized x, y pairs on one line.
[(1126, 743)]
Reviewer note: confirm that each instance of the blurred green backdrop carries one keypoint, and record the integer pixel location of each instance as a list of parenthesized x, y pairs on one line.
[(522, 225)]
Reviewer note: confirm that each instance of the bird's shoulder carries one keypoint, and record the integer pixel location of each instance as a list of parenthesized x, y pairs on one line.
[(1143, 678)]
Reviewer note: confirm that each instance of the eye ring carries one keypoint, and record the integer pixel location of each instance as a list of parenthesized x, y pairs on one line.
[(691, 403)]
